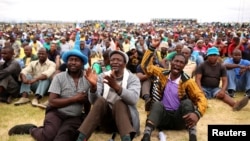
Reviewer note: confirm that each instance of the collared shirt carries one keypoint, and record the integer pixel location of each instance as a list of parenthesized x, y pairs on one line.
[(35, 68), (63, 85)]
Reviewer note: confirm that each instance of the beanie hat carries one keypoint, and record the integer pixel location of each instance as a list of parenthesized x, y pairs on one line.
[(122, 53)]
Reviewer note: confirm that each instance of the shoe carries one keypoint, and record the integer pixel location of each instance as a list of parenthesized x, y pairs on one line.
[(41, 106), (247, 93), (146, 137), (22, 100), (240, 104), (34, 102), (162, 136), (231, 93), (192, 137), (3, 99), (9, 100), (21, 129)]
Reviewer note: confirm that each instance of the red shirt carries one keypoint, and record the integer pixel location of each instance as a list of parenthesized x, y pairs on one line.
[(232, 47)]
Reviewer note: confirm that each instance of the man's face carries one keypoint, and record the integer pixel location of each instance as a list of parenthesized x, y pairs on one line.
[(212, 59), (237, 56), (7, 54), (53, 47), (186, 53), (74, 64), (117, 62), (27, 51), (42, 55), (82, 45), (177, 65)]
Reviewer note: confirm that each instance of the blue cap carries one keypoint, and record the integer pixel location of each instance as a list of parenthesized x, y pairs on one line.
[(213, 51)]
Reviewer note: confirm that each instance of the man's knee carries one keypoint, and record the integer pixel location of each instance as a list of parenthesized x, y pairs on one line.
[(100, 101), (156, 106), (118, 104), (187, 106)]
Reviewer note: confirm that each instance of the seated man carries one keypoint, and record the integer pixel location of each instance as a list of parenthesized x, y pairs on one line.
[(54, 54), (29, 56), (114, 96), (134, 59), (36, 78), (208, 77), (9, 72), (68, 95), (238, 73), (102, 65), (182, 102)]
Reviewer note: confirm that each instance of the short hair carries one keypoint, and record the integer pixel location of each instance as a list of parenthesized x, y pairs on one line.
[(180, 54), (9, 48), (106, 54)]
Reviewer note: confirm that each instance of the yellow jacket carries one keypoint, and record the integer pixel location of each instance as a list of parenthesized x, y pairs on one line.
[(187, 86)]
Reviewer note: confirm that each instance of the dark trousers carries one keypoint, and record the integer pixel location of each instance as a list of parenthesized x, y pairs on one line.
[(164, 119), (116, 119), (57, 127)]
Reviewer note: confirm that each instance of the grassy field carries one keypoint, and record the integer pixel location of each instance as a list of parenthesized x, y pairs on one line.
[(217, 113)]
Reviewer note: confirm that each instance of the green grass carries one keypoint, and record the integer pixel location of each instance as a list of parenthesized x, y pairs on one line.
[(217, 113)]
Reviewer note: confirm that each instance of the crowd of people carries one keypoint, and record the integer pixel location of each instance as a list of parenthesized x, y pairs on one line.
[(170, 65)]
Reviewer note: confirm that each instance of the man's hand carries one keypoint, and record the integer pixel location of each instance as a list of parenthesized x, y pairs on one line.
[(221, 94), (32, 81), (26, 81), (91, 76), (81, 97), (156, 42), (191, 119), (111, 81)]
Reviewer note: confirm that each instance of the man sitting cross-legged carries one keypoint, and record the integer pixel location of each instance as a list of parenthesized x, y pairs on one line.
[(68, 95)]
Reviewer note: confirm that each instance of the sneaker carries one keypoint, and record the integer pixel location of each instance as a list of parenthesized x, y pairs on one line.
[(21, 129), (34, 102), (162, 136), (231, 93), (192, 137), (22, 100), (240, 104), (247, 93), (41, 106), (146, 137)]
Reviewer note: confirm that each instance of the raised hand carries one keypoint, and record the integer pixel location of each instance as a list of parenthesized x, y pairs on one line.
[(156, 42), (91, 76), (111, 80)]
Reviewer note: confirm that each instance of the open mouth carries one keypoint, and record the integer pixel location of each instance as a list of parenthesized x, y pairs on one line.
[(176, 70)]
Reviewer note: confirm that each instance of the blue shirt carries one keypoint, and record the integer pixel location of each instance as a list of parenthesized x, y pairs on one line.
[(242, 62)]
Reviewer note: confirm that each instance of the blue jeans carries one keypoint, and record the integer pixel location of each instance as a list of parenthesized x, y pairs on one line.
[(238, 83), (40, 87), (211, 92)]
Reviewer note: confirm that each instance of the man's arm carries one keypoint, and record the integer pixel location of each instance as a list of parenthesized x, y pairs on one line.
[(56, 101), (9, 70), (198, 80), (224, 83), (50, 71)]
